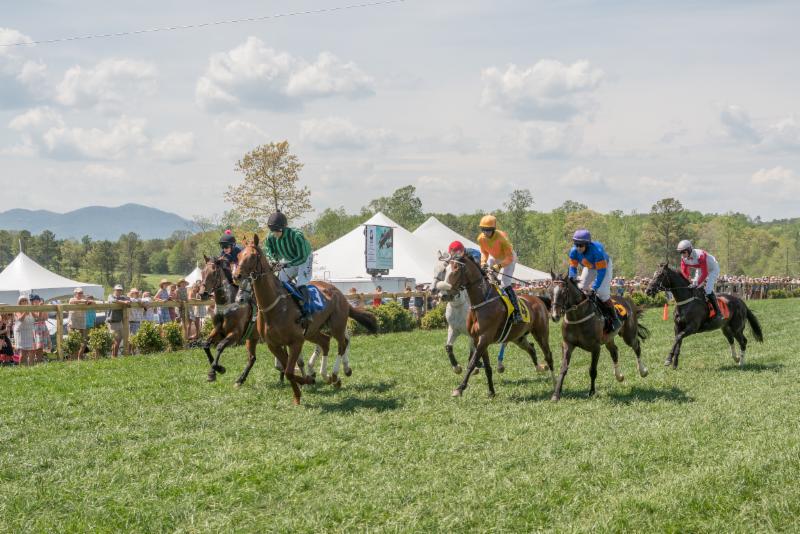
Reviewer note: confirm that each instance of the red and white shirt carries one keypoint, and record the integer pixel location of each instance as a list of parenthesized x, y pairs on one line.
[(702, 261)]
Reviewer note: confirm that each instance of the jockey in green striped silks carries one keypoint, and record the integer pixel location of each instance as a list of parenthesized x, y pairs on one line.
[(291, 248)]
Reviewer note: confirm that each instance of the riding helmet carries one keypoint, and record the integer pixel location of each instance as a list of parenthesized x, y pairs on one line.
[(227, 239), (685, 246), (277, 221), (582, 237), (456, 248), (488, 222)]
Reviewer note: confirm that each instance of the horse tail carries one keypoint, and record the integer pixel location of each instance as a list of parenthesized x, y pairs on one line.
[(642, 332), (548, 303), (755, 326), (364, 318)]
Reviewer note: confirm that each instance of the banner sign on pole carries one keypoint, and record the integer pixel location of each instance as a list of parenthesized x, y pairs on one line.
[(379, 248)]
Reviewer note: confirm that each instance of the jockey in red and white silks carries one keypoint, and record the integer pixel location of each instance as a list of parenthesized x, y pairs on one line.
[(706, 267), (706, 270)]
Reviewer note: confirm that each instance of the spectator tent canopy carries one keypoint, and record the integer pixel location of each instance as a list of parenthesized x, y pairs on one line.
[(437, 234), (194, 276), (23, 275)]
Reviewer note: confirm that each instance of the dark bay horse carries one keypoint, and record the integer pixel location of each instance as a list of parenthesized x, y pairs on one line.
[(278, 316), (691, 314), (230, 319), (584, 327), (488, 315)]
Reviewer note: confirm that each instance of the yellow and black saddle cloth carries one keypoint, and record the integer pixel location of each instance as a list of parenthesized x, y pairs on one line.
[(524, 311)]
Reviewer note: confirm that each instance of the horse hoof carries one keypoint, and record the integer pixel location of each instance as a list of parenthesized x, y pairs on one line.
[(492, 394), (237, 384), (541, 368), (644, 372), (554, 398), (334, 378), (348, 372), (310, 380), (456, 393), (501, 368), (667, 362), (296, 401), (620, 378), (219, 369), (476, 371), (457, 369), (211, 378), (337, 384)]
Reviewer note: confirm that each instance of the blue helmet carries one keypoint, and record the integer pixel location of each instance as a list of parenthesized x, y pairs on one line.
[(582, 237)]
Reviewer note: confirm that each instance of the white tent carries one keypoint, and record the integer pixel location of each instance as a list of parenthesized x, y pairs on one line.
[(193, 276), (344, 258), (438, 236), (23, 275)]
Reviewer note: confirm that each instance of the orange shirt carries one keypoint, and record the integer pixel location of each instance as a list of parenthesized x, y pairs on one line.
[(498, 246)]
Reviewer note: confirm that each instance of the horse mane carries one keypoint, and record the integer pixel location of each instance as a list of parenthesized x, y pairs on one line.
[(223, 263)]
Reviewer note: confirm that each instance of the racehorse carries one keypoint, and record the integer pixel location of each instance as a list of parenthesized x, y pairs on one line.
[(584, 327), (487, 318), (692, 312), (278, 317)]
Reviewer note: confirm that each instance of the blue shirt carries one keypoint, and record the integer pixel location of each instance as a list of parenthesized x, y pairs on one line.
[(594, 257), (233, 255)]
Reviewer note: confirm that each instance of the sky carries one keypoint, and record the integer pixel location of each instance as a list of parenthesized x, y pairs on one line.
[(614, 104)]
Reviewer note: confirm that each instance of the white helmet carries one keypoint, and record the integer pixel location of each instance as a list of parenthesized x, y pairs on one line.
[(685, 245)]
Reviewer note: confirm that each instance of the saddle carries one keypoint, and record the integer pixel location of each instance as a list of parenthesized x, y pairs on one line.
[(316, 300), (723, 307), (524, 311)]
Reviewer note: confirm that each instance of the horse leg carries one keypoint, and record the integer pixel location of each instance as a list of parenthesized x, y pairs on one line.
[(312, 361), (473, 361), (452, 335), (542, 337), (567, 355), (742, 345), (348, 371), (251, 360), (294, 379), (487, 367), (213, 338), (222, 345), (525, 345), (593, 369), (728, 333), (501, 354), (614, 351)]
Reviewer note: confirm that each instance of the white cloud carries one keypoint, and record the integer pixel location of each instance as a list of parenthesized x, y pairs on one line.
[(44, 132), (549, 140), (22, 81), (581, 177), (340, 133), (738, 125), (780, 135), (104, 172), (241, 135), (778, 180), (253, 75), (110, 84), (177, 147), (549, 90)]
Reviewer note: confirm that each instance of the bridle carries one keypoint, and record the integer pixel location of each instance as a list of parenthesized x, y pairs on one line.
[(256, 275), (659, 277), (466, 284), (565, 311)]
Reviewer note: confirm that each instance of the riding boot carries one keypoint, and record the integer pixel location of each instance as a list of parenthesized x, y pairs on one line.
[(515, 317), (712, 298), (613, 316), (304, 315)]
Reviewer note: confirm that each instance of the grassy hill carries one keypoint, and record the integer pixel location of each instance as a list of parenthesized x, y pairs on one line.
[(145, 444)]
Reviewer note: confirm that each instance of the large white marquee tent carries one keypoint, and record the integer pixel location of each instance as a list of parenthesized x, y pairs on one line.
[(23, 275), (439, 236)]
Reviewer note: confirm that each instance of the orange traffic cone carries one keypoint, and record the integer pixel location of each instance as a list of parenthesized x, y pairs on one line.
[(665, 315)]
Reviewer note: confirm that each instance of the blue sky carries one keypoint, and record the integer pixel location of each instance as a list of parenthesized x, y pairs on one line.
[(614, 104)]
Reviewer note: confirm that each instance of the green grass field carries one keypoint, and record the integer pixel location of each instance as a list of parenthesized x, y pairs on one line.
[(144, 444)]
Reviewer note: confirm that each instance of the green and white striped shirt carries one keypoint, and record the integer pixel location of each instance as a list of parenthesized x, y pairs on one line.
[(292, 247)]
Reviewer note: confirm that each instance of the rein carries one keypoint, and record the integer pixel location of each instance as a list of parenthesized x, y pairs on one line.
[(261, 273), (591, 315), (482, 281)]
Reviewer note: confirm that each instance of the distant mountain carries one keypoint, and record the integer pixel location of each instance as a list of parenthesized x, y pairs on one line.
[(98, 222)]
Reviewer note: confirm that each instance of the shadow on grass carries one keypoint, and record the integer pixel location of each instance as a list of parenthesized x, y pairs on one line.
[(321, 388), (351, 404), (639, 394), (755, 367)]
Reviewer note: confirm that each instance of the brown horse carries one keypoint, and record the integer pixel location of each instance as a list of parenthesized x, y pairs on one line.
[(584, 327), (691, 314), (487, 317), (231, 319), (278, 316)]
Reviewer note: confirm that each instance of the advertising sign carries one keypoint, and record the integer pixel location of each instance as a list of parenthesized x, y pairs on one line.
[(379, 248)]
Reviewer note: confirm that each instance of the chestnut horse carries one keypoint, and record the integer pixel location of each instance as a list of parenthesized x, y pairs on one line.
[(584, 327), (278, 316), (691, 314), (487, 317), (230, 319)]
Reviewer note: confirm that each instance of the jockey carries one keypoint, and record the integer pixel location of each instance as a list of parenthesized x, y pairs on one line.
[(230, 250), (706, 270), (289, 246), (498, 255), (457, 249), (597, 271)]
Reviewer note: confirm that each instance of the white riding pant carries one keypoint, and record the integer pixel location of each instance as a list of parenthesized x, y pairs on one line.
[(711, 280), (587, 279), (506, 272), (301, 274)]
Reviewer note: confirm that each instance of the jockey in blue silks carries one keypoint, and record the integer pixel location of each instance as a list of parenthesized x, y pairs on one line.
[(597, 272)]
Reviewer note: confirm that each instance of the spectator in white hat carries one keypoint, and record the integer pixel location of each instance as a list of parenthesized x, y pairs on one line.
[(114, 319)]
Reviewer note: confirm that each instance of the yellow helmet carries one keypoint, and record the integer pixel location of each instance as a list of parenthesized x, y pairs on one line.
[(488, 221)]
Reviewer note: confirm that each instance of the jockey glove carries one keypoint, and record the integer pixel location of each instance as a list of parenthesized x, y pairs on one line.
[(496, 267)]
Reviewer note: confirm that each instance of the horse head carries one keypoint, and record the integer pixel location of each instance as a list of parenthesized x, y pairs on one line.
[(215, 273), (462, 272), (439, 272), (253, 263), (660, 281), (565, 295)]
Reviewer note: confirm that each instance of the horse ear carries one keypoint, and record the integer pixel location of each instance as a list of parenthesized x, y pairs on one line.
[(255, 240), (552, 275), (205, 258)]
